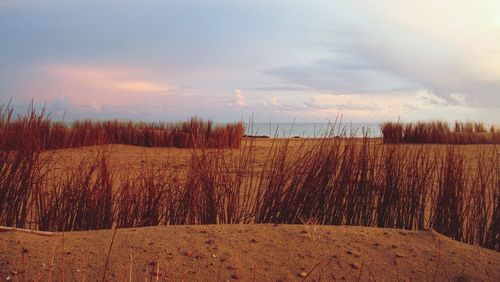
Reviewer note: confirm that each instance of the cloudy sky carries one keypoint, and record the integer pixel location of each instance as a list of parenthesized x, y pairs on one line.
[(226, 60)]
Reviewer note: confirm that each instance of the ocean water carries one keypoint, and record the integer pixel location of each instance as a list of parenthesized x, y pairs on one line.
[(302, 129), (287, 129)]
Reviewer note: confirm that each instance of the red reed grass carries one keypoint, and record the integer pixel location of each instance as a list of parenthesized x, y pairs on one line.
[(439, 132), (329, 180)]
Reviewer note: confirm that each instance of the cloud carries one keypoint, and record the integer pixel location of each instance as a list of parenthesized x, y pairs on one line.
[(282, 88), (459, 98), (341, 73), (274, 101), (138, 86), (368, 67), (64, 108), (96, 107), (409, 106), (110, 78), (341, 103), (239, 99), (441, 46), (59, 104), (415, 58)]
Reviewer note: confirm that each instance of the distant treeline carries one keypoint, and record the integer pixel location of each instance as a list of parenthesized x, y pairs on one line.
[(38, 130), (439, 132)]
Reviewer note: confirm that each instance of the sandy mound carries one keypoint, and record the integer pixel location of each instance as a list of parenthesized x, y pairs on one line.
[(245, 252)]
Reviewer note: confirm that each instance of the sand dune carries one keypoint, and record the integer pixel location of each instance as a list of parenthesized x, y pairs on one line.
[(245, 252)]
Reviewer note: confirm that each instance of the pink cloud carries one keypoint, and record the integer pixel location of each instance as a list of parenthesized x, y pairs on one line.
[(127, 79), (138, 86), (239, 99), (103, 85)]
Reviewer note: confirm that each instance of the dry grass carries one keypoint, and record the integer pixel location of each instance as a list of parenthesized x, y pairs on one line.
[(37, 129), (439, 132), (330, 180)]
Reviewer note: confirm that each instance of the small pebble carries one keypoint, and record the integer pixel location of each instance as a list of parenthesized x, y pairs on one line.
[(355, 265), (303, 274)]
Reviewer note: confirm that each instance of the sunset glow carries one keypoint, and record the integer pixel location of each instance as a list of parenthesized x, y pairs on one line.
[(304, 60)]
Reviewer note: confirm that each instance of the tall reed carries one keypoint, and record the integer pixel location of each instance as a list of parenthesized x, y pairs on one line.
[(22, 168), (57, 135), (81, 199), (335, 179), (439, 132)]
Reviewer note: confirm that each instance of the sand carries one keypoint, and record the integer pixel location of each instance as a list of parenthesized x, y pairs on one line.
[(127, 157), (247, 253)]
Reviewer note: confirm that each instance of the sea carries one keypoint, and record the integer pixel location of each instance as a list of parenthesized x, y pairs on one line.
[(311, 130), (305, 129)]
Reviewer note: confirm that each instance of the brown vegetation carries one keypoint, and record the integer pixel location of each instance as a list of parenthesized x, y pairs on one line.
[(37, 129), (328, 181), (439, 132)]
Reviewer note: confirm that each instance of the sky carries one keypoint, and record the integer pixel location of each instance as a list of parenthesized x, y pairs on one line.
[(308, 61)]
